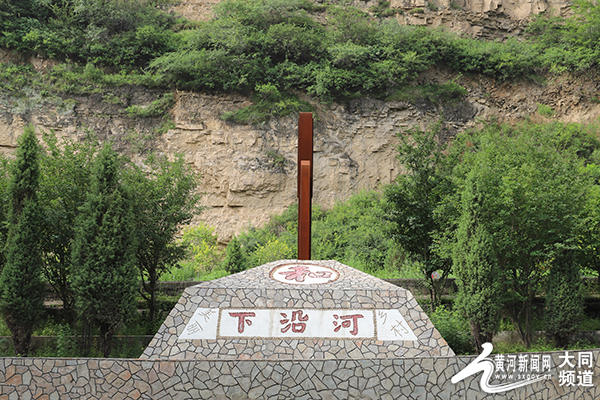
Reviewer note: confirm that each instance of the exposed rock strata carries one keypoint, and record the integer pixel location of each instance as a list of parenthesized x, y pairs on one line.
[(249, 173), (476, 18)]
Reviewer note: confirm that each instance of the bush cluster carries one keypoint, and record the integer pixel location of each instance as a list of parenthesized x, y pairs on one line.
[(117, 33), (331, 51), (352, 232)]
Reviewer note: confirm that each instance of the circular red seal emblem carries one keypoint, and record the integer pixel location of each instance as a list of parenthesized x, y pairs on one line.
[(304, 274)]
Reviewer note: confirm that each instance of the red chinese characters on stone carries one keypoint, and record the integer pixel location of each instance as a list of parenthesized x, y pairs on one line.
[(297, 327), (242, 319), (299, 272), (346, 322)]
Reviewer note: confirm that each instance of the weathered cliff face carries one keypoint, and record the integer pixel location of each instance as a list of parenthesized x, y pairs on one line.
[(249, 173), (476, 18), (516, 9)]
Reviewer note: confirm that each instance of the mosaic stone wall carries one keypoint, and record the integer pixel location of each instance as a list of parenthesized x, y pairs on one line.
[(407, 378), (361, 313)]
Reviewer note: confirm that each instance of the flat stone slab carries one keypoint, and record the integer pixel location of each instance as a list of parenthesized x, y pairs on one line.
[(296, 310)]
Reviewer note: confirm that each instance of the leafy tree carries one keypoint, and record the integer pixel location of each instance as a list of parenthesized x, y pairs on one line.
[(531, 196), (411, 203), (64, 184), (476, 268), (166, 199), (21, 287), (104, 275)]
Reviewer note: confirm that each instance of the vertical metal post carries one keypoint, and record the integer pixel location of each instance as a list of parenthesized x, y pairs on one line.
[(305, 185)]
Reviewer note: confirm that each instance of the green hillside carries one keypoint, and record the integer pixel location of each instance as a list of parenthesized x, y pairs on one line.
[(279, 47)]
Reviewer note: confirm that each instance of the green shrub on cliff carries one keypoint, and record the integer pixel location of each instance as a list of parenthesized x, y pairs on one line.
[(331, 52)]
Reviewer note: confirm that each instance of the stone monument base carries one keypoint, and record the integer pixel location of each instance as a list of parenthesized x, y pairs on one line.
[(297, 310)]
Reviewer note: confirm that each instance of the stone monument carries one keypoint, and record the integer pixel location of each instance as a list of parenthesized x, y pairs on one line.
[(297, 310)]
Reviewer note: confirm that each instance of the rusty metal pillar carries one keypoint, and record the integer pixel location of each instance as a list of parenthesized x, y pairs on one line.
[(305, 184)]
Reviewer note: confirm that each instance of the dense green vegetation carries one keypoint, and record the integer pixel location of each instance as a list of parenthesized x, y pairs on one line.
[(69, 214), (522, 191), (353, 232), (274, 49), (117, 34)]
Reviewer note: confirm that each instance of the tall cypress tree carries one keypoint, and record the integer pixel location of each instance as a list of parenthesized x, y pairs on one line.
[(235, 260), (564, 297), (5, 174), (104, 274), (476, 269), (21, 287)]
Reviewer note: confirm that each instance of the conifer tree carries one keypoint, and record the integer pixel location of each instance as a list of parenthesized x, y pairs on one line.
[(4, 181), (21, 287), (564, 298), (104, 274), (235, 260), (476, 269)]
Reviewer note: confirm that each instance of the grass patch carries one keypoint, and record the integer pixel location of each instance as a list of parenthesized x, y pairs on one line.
[(268, 102), (544, 110), (157, 108), (435, 93), (383, 10)]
